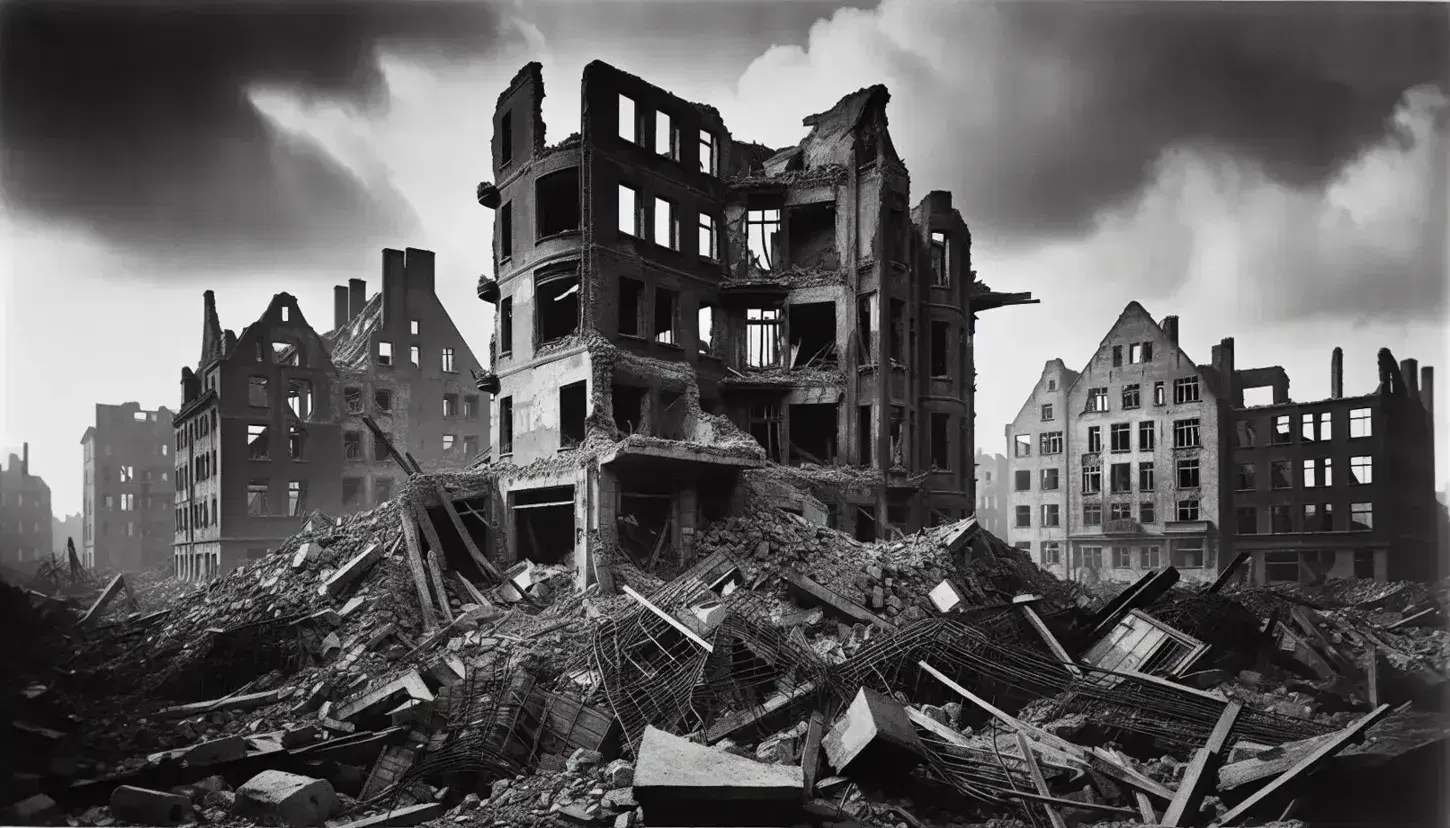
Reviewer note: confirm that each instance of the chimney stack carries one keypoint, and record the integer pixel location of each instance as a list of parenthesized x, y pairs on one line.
[(25, 459), (1427, 392), (1336, 374), (1410, 369), (395, 283), (340, 316), (1170, 328), (357, 296)]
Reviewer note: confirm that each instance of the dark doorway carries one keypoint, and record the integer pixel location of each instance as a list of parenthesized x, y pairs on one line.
[(644, 527), (573, 411), (628, 407), (544, 524), (813, 434), (813, 334), (866, 524)]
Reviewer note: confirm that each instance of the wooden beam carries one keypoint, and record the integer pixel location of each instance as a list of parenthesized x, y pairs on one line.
[(1145, 805), (811, 753), (1419, 616), (1038, 781), (420, 574), (1202, 770), (108, 594), (1051, 640), (1230, 571), (473, 551), (409, 468), (471, 590), (1372, 674), (433, 561), (834, 600), (1334, 745), (686, 631), (435, 573)]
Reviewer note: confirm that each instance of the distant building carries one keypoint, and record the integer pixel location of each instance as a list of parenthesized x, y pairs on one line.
[(400, 358), (72, 527), (992, 497), (25, 530), (1342, 487), (1036, 488), (257, 439), (128, 497)]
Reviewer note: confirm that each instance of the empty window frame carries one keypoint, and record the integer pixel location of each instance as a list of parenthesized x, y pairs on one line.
[(765, 422), (1281, 475), (1094, 439), (506, 139), (415, 356), (257, 392), (296, 497), (708, 164), (385, 353), (1360, 423), (506, 326), (666, 143), (1160, 396), (352, 398), (1117, 356), (762, 337), (1283, 433), (1022, 445), (286, 353), (1188, 553), (762, 229), (506, 232), (1318, 471), (257, 498), (383, 401), (1140, 352), (940, 265), (448, 441), (1361, 470), (1092, 478), (556, 203), (556, 305), (470, 445), (866, 309), (470, 406), (296, 442), (380, 446), (1247, 478), (1361, 516), (1246, 520), (1097, 399), (257, 442), (506, 425), (631, 216), (705, 329), (666, 224), (628, 119), (1049, 480), (707, 240), (1049, 442), (940, 335), (666, 316), (1051, 515), (941, 458), (450, 405), (1245, 433), (414, 326), (1185, 390), (352, 445)]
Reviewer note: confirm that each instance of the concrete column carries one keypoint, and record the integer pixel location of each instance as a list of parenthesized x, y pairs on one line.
[(688, 512)]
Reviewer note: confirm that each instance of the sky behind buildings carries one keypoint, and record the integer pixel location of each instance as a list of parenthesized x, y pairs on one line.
[(1271, 172)]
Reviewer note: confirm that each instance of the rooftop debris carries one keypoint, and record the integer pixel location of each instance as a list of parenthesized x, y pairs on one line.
[(353, 677)]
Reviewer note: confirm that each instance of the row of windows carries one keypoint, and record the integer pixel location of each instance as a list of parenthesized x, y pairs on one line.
[(197, 427), (1186, 434), (258, 504), (1312, 517), (1186, 390), (1187, 553), (1314, 427), (20, 527), (658, 221), (352, 445), (446, 357), (352, 398), (1092, 513), (197, 515), (35, 501), (637, 126), (1317, 472)]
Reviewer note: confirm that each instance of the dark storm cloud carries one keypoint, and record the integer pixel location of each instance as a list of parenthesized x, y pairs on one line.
[(132, 119), (1298, 87)]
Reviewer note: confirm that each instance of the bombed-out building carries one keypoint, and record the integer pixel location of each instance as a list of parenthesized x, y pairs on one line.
[(675, 306), (993, 499), (25, 515), (400, 360), (257, 441), (127, 467)]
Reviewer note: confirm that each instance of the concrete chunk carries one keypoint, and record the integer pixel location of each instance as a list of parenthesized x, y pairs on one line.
[(681, 783), (33, 809), (352, 570), (306, 554), (411, 815), (874, 736), (147, 807), (293, 800), (379, 699), (227, 749)]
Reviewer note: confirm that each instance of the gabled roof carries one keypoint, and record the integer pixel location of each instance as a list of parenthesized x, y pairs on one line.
[(1050, 367), (1135, 310)]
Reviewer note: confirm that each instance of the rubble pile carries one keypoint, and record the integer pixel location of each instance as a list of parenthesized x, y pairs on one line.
[(790, 676)]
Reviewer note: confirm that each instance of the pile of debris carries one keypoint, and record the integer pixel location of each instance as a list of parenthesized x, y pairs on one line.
[(790, 676)]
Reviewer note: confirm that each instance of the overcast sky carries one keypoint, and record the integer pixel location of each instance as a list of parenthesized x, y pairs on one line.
[(1274, 173)]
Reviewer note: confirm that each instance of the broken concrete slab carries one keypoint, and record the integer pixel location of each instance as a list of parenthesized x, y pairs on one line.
[(874, 736), (227, 749), (243, 702), (352, 570), (411, 815), (147, 807), (681, 783), (294, 800), (306, 554), (385, 697)]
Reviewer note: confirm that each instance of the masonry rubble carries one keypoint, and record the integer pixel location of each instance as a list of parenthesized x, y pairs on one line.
[(796, 661)]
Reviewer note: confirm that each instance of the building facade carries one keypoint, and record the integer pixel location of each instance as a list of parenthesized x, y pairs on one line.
[(257, 441), (400, 359), (657, 278), (1036, 502), (128, 494), (1342, 487), (993, 500), (25, 515), (1140, 447)]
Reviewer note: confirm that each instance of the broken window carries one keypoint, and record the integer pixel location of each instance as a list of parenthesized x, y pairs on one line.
[(813, 433), (383, 401), (556, 305), (1097, 399), (448, 367), (864, 439), (762, 337), (296, 497), (940, 335), (665, 316), (1247, 474), (707, 153), (450, 405), (1246, 430), (763, 237), (813, 334), (940, 450), (898, 436), (506, 232), (1049, 443), (898, 333), (382, 490), (127, 475), (380, 446), (257, 498), (506, 326), (628, 120), (665, 142), (415, 356), (257, 392), (1361, 517), (506, 426), (556, 203), (671, 419), (1185, 390), (628, 404), (448, 441), (666, 224), (352, 492), (1361, 470), (1022, 445), (866, 145), (385, 353), (257, 442), (1280, 475), (296, 439), (1318, 472), (352, 398), (707, 240), (1049, 480), (573, 409), (1130, 396), (470, 406), (940, 266), (630, 215), (506, 139), (1185, 433), (764, 422), (299, 398), (812, 237), (705, 329), (286, 353), (352, 445), (866, 325)]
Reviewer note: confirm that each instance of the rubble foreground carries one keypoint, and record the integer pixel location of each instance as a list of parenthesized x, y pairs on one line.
[(790, 676)]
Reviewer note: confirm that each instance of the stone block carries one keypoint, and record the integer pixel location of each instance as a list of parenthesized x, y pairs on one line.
[(680, 783), (144, 806), (874, 732), (618, 774), (288, 798)]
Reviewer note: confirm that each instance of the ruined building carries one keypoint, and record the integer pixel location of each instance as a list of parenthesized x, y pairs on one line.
[(1342, 487), (400, 359), (670, 291), (1145, 459), (25, 514), (128, 499), (257, 439), (993, 498)]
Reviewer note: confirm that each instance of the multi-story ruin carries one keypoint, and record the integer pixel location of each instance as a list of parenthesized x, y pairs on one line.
[(661, 284), (993, 498), (25, 515), (129, 498)]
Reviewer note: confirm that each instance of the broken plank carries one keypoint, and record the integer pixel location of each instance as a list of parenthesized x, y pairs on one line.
[(1413, 619), (1075, 751), (1068, 803), (1038, 781), (435, 574), (1107, 763), (1051, 640), (811, 752), (1189, 798), (644, 602), (471, 590), (1230, 571), (473, 551), (107, 595), (840, 603), (1333, 745), (1210, 695), (1145, 805), (433, 560), (420, 575)]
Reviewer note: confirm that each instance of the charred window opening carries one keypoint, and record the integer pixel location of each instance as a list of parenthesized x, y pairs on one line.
[(666, 305), (705, 335), (765, 422), (644, 524), (506, 425), (296, 443), (506, 139), (864, 439), (506, 326), (257, 442), (866, 326), (352, 398), (573, 410), (352, 445), (296, 497), (299, 398), (763, 238), (380, 446), (707, 239), (385, 353), (286, 353), (631, 307), (556, 302), (813, 334), (940, 263), (898, 436), (506, 232), (762, 337), (940, 335), (866, 145), (382, 490), (544, 524), (813, 236), (383, 401), (813, 434), (257, 392), (898, 516), (898, 329), (628, 402), (666, 224), (556, 200), (941, 457), (898, 239), (672, 416), (630, 215), (866, 524), (257, 498)]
